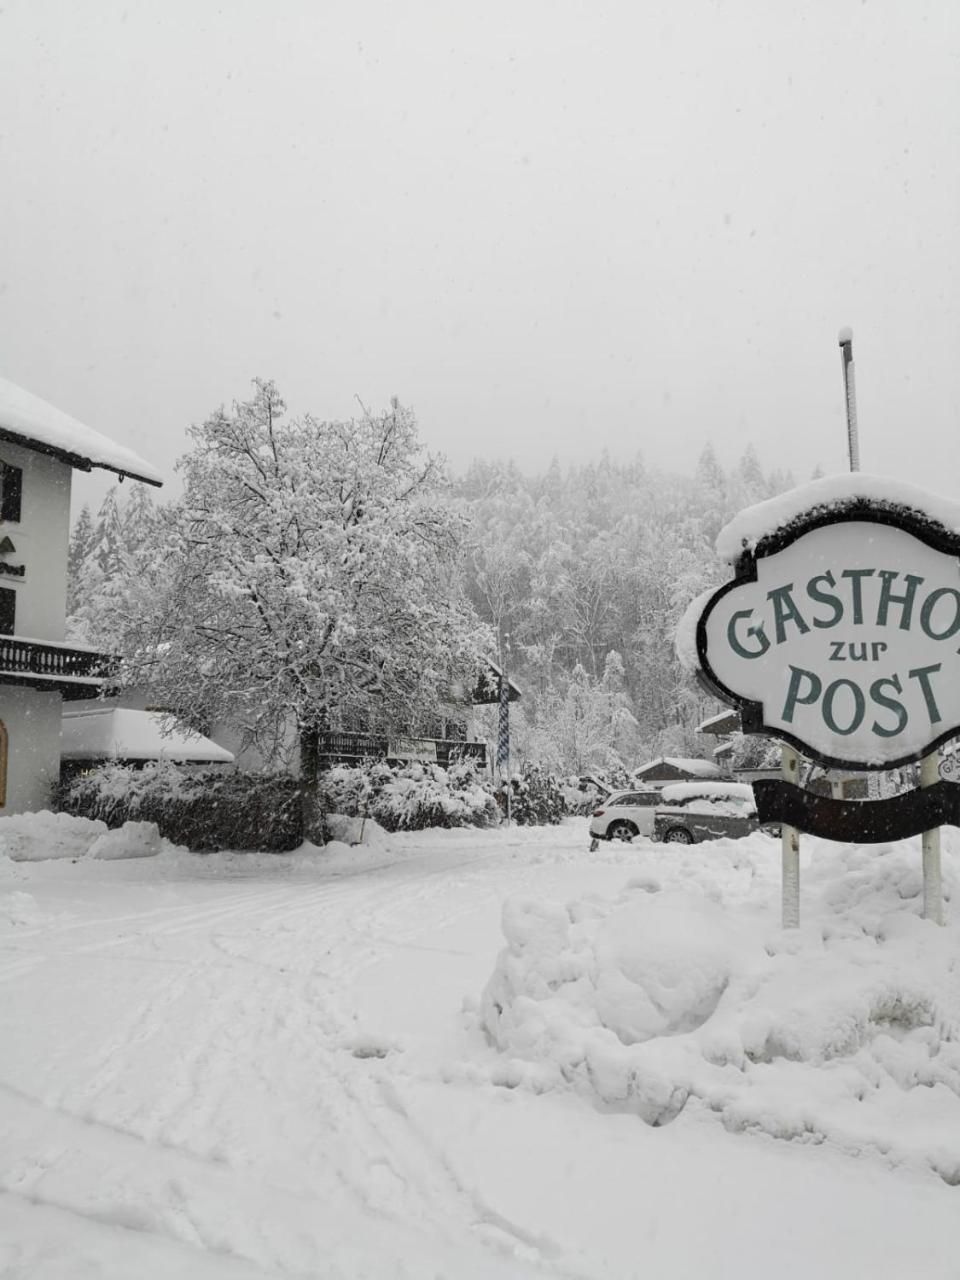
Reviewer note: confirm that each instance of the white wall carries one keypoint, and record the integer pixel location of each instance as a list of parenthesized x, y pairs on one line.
[(32, 720), (41, 539)]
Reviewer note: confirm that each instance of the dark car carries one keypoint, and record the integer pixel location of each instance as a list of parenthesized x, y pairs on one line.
[(689, 812)]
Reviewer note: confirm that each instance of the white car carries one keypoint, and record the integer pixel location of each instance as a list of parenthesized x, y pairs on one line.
[(623, 815)]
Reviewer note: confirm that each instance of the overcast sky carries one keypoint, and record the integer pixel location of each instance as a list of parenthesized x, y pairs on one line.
[(551, 228)]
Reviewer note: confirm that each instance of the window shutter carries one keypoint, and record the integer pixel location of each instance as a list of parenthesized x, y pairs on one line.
[(12, 491), (8, 612)]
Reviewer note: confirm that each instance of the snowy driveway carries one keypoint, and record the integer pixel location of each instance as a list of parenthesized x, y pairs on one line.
[(272, 1066)]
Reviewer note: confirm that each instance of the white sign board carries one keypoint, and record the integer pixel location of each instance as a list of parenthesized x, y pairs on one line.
[(847, 644)]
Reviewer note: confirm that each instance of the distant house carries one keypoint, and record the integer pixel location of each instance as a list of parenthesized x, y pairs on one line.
[(39, 448), (676, 769), (762, 761), (439, 740), (97, 734), (446, 740)]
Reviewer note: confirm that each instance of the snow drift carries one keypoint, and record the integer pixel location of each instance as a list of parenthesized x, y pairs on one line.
[(680, 990)]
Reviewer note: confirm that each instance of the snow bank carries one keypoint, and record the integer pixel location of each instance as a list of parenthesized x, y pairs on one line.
[(830, 493), (680, 991), (132, 840), (39, 837)]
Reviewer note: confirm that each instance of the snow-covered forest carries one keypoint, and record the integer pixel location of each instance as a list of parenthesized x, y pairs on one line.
[(575, 578)]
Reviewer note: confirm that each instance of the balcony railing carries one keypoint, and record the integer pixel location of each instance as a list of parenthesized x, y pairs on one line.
[(47, 665), (348, 748)]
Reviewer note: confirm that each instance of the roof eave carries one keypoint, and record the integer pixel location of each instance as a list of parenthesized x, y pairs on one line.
[(75, 460)]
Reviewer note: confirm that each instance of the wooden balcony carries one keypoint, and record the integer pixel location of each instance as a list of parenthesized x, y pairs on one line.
[(59, 668), (352, 748)]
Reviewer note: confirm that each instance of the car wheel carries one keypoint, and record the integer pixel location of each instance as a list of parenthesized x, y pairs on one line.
[(678, 835), (621, 830)]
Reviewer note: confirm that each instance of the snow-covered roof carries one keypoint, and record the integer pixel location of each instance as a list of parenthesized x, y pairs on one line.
[(117, 733), (35, 424), (724, 722), (829, 494), (696, 768), (488, 684)]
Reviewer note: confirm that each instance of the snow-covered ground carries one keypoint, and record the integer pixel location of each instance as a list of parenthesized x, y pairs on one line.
[(471, 1054)]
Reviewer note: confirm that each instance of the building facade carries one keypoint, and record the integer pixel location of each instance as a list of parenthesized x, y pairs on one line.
[(39, 449)]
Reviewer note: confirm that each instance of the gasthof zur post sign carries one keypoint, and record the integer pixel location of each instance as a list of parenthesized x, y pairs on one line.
[(840, 633)]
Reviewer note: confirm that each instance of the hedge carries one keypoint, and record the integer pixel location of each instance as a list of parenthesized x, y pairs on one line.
[(201, 808)]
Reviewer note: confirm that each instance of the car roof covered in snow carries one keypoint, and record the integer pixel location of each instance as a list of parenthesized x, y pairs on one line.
[(35, 424), (678, 792)]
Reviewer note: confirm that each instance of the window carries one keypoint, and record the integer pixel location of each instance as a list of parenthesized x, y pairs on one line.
[(11, 489), (8, 612)]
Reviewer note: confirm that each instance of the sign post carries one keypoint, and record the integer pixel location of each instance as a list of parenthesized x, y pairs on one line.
[(789, 848), (932, 880)]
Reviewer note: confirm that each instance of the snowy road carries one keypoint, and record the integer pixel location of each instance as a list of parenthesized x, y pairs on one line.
[(264, 1066)]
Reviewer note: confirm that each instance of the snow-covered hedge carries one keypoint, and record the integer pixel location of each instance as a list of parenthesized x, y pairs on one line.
[(410, 797), (538, 798), (210, 808)]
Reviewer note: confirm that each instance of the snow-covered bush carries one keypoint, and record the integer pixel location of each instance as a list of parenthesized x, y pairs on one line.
[(410, 797), (201, 808), (537, 798)]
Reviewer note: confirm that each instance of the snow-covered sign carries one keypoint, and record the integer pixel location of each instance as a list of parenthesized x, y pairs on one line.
[(422, 749), (841, 631)]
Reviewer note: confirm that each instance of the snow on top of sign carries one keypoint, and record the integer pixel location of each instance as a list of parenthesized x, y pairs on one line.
[(845, 335), (35, 422), (685, 641), (830, 493)]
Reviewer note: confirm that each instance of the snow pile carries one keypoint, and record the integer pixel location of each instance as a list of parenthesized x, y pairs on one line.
[(132, 840), (826, 495), (680, 991), (39, 837)]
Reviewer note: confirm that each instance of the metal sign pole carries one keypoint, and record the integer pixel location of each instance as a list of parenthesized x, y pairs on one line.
[(503, 732), (850, 392), (789, 848), (932, 881)]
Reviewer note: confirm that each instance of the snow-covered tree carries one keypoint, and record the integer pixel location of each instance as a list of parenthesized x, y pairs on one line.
[(309, 576)]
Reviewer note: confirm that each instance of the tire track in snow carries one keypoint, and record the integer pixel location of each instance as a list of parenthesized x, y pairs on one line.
[(243, 1066)]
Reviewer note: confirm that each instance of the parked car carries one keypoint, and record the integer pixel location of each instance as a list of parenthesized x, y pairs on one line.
[(623, 815), (689, 812)]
